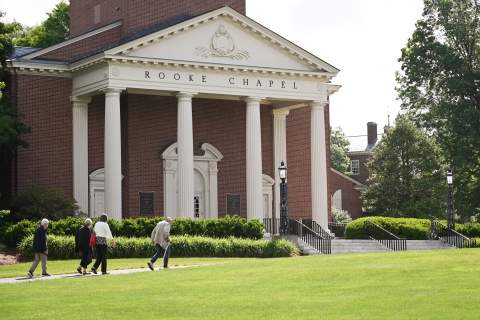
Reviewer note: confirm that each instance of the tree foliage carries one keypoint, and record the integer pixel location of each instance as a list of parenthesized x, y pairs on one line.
[(407, 176), (53, 30), (11, 126), (338, 150), (37, 203), (439, 86)]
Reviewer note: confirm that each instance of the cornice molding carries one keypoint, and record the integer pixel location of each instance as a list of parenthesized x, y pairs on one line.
[(73, 40), (357, 183), (244, 22)]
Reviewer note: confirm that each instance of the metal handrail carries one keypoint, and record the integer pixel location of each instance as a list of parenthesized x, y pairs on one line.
[(451, 236), (315, 239), (386, 238), (272, 225), (338, 228), (317, 228)]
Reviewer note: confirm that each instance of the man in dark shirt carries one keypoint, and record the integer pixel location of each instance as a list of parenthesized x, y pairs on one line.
[(40, 249)]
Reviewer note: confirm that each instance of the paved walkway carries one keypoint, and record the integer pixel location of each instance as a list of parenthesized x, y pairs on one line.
[(77, 275)]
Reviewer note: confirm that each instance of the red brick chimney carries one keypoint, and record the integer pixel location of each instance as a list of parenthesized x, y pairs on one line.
[(86, 15), (372, 132)]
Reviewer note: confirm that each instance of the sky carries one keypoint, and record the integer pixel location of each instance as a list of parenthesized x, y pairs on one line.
[(362, 38)]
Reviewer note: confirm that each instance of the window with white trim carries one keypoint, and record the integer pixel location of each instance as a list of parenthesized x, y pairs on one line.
[(355, 167)]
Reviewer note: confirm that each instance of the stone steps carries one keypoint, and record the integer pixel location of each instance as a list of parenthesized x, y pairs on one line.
[(340, 246)]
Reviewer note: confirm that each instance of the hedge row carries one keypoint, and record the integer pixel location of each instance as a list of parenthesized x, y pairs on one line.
[(408, 228), (142, 227), (62, 247)]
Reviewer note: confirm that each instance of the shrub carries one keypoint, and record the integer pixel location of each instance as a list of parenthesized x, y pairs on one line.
[(408, 228), (62, 247), (37, 203), (340, 216), (16, 232), (470, 230)]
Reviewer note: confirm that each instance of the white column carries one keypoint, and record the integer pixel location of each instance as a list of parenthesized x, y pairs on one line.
[(279, 151), (113, 154), (254, 160), (80, 151), (185, 182), (319, 164)]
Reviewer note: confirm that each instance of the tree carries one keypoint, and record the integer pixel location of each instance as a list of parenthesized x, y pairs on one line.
[(439, 86), (37, 203), (338, 150), (407, 175), (53, 30), (11, 126)]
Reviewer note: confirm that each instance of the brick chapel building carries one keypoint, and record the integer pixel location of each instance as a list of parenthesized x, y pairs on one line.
[(181, 109)]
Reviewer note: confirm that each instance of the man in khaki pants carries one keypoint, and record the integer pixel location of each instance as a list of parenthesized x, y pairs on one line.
[(40, 249)]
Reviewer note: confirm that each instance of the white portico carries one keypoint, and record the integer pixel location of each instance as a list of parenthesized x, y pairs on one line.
[(218, 55)]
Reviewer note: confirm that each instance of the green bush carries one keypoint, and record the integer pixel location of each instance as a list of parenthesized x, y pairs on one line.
[(340, 216), (16, 232), (141, 227), (37, 203), (408, 228), (62, 247), (470, 230)]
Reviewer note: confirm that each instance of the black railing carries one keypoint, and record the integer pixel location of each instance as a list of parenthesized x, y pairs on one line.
[(308, 235), (451, 236), (272, 225), (337, 228), (388, 239), (316, 228)]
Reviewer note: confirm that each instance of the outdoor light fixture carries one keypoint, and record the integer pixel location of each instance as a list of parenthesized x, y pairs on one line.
[(450, 201), (282, 172), (449, 177)]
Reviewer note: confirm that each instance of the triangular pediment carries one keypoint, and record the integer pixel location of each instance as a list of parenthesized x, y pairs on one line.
[(223, 36)]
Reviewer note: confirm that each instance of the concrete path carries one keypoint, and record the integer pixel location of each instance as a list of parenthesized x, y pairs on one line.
[(77, 275)]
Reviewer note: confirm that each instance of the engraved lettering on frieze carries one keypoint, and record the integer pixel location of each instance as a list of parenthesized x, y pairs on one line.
[(105, 72), (222, 46), (147, 74)]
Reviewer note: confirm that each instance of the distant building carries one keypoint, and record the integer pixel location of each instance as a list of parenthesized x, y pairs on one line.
[(346, 190)]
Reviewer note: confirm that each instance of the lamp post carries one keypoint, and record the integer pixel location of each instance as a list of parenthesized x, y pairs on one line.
[(450, 201), (282, 170)]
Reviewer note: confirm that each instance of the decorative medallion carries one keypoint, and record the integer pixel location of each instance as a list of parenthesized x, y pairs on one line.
[(321, 87), (213, 165), (222, 46), (169, 164), (116, 72)]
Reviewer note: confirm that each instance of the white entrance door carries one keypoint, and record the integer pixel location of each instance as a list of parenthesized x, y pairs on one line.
[(99, 202)]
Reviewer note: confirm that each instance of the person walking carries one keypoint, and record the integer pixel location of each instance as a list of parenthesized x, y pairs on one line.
[(103, 232), (40, 248), (161, 240), (82, 244)]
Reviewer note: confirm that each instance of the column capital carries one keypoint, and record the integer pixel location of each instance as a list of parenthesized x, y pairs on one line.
[(317, 104), (112, 91), (279, 113), (183, 95), (252, 99), (80, 101)]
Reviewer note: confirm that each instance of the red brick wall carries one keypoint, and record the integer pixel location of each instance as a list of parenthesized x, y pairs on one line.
[(46, 104), (351, 201), (86, 45), (139, 14), (299, 163), (363, 173)]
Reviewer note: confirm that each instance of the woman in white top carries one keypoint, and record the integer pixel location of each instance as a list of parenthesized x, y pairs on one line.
[(102, 231)]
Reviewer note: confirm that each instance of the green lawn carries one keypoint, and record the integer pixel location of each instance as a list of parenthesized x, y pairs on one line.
[(442, 284)]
